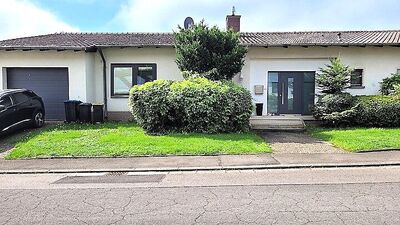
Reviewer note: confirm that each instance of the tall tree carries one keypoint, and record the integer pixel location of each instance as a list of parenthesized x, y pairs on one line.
[(334, 78), (210, 52)]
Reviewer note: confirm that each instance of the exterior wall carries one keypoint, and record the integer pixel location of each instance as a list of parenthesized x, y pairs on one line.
[(86, 75), (163, 57), (74, 61), (377, 63), (90, 78)]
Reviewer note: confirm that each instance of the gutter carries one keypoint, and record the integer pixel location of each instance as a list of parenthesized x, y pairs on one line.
[(104, 82)]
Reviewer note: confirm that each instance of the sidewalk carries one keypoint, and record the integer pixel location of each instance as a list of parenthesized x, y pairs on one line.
[(192, 163)]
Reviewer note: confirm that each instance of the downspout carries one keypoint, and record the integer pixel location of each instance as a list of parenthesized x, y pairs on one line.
[(104, 82)]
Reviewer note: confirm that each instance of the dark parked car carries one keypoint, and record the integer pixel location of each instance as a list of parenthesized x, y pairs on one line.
[(20, 108)]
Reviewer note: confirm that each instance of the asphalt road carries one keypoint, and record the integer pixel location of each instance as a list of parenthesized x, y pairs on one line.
[(303, 196)]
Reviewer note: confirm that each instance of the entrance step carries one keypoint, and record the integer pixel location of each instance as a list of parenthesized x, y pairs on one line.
[(277, 123)]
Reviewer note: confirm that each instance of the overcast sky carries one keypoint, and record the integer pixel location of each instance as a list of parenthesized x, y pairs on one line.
[(31, 17)]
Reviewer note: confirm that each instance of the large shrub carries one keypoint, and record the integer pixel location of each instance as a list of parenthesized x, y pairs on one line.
[(149, 105), (201, 49), (334, 78), (335, 109), (378, 111), (193, 105), (388, 83)]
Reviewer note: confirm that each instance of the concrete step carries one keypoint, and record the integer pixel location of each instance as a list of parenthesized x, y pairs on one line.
[(277, 123)]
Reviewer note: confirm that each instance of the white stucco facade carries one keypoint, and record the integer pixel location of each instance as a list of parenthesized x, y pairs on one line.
[(86, 69), (164, 58), (376, 62), (76, 62)]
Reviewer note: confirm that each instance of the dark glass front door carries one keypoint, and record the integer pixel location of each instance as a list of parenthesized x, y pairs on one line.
[(290, 92)]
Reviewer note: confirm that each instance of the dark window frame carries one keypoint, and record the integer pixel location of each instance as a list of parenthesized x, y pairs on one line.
[(357, 85), (135, 72)]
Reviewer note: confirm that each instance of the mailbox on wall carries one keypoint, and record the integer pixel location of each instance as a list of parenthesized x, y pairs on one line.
[(258, 89)]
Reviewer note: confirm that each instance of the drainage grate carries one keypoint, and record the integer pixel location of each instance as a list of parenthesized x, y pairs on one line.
[(111, 178), (116, 174)]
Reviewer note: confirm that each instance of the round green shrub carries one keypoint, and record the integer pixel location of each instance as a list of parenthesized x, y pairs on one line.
[(378, 111), (193, 105)]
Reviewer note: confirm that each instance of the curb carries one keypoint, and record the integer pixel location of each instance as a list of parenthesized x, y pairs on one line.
[(193, 169)]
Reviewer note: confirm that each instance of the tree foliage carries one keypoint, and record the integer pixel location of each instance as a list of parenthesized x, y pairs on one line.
[(388, 83), (209, 52), (334, 78)]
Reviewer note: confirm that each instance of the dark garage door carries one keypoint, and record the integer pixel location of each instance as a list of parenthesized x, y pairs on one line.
[(49, 83)]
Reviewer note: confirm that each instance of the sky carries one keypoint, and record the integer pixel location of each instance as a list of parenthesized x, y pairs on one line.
[(20, 18)]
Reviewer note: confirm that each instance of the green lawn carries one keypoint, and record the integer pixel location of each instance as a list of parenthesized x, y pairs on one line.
[(359, 139), (127, 139)]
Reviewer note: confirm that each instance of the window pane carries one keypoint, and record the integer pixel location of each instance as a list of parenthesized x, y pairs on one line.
[(272, 101), (309, 77), (145, 74), (308, 92), (398, 71), (122, 80), (20, 97), (356, 77), (290, 93), (6, 101)]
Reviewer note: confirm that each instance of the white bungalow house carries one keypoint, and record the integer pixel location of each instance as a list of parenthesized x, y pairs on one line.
[(279, 67)]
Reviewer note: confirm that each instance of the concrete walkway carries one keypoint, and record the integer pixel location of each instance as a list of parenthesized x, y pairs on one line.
[(298, 142), (188, 163)]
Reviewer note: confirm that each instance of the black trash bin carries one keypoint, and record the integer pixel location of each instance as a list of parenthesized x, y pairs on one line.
[(85, 113), (259, 109), (71, 110), (98, 113)]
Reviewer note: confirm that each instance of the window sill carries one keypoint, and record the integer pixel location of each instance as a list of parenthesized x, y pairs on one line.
[(120, 96), (357, 87)]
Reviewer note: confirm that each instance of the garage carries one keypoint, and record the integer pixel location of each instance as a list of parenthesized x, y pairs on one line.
[(49, 83)]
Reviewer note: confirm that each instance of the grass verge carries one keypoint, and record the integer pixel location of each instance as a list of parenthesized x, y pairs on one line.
[(127, 139), (359, 139)]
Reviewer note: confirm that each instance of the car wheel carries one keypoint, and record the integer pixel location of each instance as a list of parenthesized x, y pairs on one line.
[(38, 119)]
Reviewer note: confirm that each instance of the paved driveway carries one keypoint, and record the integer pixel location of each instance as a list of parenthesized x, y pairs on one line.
[(298, 142)]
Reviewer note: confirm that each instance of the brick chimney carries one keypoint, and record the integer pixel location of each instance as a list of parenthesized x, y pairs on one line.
[(233, 21)]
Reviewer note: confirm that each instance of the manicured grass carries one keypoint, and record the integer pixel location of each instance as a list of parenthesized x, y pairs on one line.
[(359, 139), (127, 139)]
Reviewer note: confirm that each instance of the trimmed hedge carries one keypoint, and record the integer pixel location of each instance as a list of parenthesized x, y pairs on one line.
[(194, 105), (368, 111), (378, 111)]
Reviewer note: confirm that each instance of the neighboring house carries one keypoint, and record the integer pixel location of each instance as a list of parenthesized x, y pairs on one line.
[(279, 67)]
